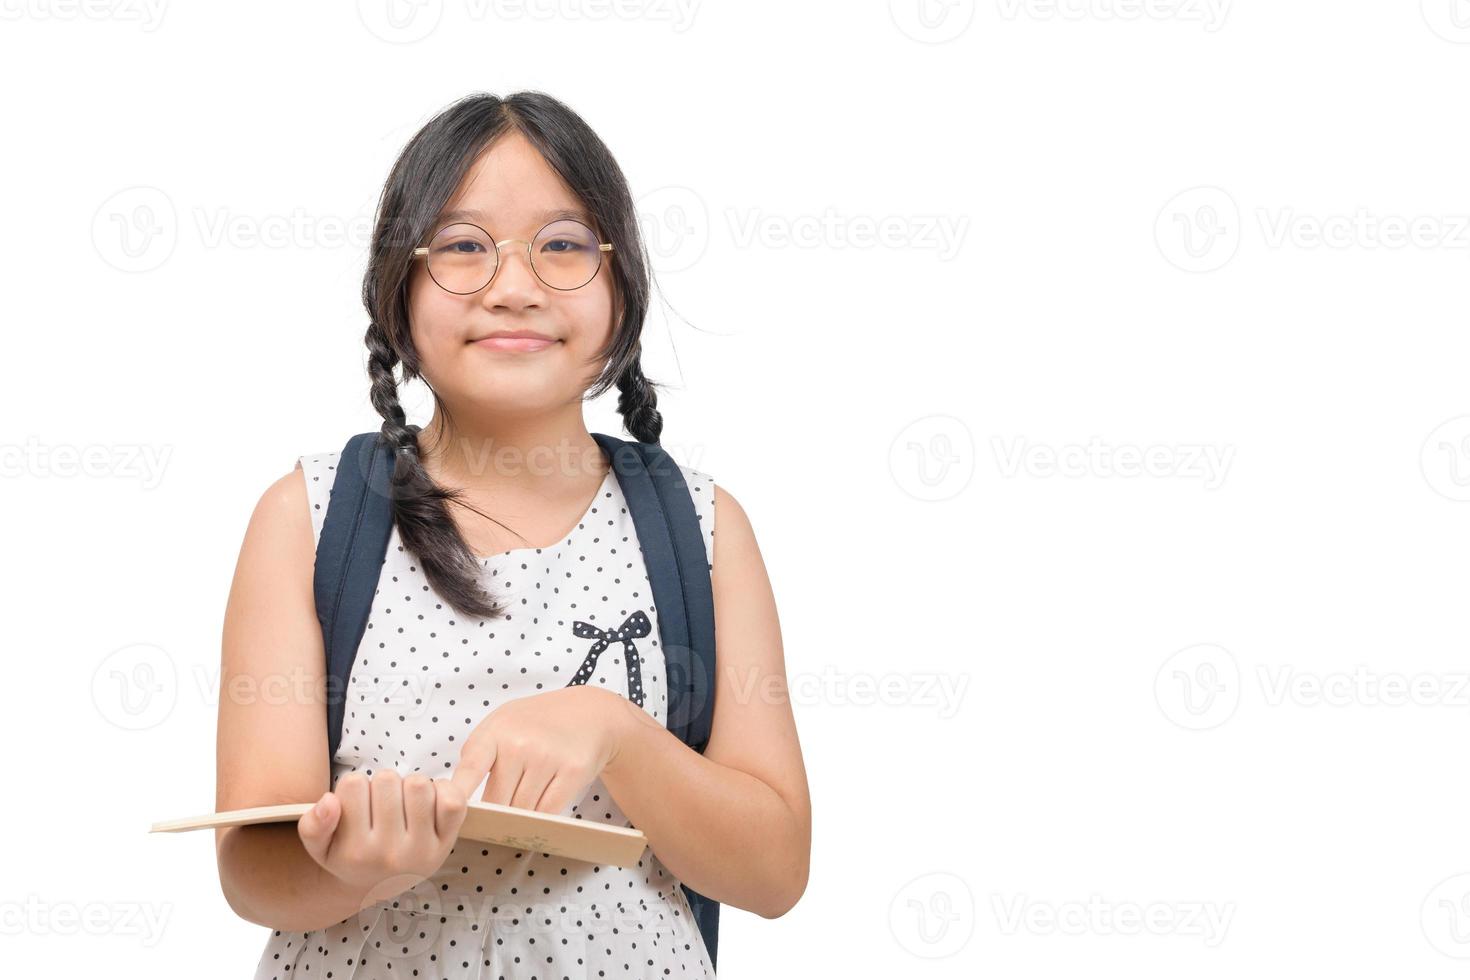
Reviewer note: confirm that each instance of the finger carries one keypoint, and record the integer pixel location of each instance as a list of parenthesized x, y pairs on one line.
[(503, 779), (316, 826), (560, 793), (387, 805), (533, 783), (418, 805), (475, 760), (449, 811), (352, 792)]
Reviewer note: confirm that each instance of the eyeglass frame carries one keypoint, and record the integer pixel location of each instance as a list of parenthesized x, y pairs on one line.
[(602, 247)]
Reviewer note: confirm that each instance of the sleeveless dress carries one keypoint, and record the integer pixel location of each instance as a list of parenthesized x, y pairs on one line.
[(423, 678)]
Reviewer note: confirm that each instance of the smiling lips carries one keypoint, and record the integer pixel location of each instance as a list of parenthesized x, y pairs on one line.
[(515, 340)]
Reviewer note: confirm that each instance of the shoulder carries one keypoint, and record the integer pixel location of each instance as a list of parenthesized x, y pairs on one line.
[(288, 515), (720, 511), (737, 537)]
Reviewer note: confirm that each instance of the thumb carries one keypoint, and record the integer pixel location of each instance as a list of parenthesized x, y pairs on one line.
[(449, 809), (317, 825)]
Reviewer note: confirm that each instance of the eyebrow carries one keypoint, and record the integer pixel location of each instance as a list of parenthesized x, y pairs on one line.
[(545, 217)]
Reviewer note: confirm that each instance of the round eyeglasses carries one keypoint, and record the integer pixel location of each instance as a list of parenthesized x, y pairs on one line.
[(462, 258)]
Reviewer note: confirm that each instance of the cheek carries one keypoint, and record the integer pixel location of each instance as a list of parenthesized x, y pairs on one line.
[(432, 317), (596, 315)]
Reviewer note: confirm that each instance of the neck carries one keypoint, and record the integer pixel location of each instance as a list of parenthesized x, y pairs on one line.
[(533, 453)]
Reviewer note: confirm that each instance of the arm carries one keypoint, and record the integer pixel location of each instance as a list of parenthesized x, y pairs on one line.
[(734, 823), (272, 737)]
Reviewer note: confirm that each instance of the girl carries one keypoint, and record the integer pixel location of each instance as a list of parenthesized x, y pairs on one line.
[(506, 270)]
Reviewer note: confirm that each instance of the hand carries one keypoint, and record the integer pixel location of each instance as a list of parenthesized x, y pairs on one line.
[(385, 835), (542, 751)]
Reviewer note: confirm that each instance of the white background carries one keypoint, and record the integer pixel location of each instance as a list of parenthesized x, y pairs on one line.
[(935, 282)]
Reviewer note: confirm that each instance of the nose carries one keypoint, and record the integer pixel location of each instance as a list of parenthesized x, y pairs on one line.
[(515, 281)]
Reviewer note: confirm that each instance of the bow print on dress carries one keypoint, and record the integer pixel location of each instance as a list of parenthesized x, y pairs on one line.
[(634, 627)]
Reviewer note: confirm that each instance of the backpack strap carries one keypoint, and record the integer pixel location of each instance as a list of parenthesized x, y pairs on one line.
[(349, 557), (672, 540), (354, 542)]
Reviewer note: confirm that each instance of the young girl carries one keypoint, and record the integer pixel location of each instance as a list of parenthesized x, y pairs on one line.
[(506, 270)]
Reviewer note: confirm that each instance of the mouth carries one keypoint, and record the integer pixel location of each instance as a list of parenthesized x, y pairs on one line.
[(516, 340)]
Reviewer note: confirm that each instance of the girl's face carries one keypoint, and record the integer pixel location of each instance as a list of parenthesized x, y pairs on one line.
[(509, 192)]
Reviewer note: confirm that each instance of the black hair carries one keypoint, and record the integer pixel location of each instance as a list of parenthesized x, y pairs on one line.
[(424, 177)]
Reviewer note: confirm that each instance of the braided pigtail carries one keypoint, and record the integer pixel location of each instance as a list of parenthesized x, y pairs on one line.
[(638, 402), (420, 506)]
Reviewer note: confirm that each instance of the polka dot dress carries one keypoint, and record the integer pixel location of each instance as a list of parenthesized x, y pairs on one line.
[(580, 612)]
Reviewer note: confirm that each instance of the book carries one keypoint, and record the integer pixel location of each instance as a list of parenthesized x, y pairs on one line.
[(491, 823)]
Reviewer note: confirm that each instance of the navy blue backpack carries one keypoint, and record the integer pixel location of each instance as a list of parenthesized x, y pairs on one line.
[(354, 542)]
